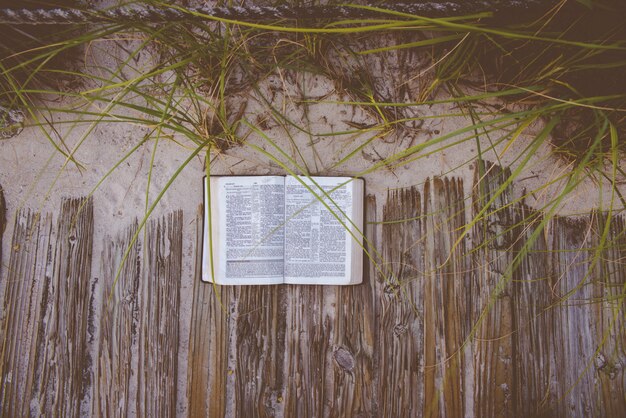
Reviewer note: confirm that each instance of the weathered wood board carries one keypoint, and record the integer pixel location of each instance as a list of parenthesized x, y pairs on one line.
[(512, 315), (2, 219)]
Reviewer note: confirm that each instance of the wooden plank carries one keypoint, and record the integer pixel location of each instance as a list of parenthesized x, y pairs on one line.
[(61, 378), (307, 352), (159, 317), (493, 240), (532, 317), (115, 382), (74, 310), (48, 300), (42, 284), (260, 339), (208, 341), (400, 385), (3, 220), (353, 346), (448, 300), (610, 313), (573, 327), (11, 395), (28, 274)]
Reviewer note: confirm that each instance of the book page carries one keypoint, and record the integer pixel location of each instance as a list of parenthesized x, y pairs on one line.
[(318, 248), (248, 230)]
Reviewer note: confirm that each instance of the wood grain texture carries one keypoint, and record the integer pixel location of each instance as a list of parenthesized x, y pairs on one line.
[(29, 276), (428, 294), (447, 307), (353, 391), (115, 382), (3, 219), (531, 317), (66, 380), (493, 241), (159, 317), (610, 331), (309, 326), (400, 297), (208, 357), (574, 320), (260, 331), (49, 313), (437, 328), (208, 371)]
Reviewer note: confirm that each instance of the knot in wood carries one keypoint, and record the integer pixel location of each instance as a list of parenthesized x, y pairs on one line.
[(391, 287), (606, 367), (400, 329), (344, 359)]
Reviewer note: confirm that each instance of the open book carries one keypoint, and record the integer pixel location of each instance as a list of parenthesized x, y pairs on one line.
[(275, 229)]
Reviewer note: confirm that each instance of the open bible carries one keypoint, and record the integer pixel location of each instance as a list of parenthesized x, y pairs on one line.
[(283, 229)]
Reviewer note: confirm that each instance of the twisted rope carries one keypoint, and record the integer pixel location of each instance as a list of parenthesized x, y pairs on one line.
[(159, 15)]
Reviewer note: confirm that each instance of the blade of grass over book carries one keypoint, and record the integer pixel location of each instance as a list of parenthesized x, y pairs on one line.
[(273, 229), (320, 214)]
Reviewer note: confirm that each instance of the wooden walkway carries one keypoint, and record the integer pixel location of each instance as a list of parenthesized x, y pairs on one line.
[(404, 343)]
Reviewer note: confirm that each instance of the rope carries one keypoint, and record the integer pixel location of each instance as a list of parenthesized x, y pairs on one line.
[(159, 15)]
